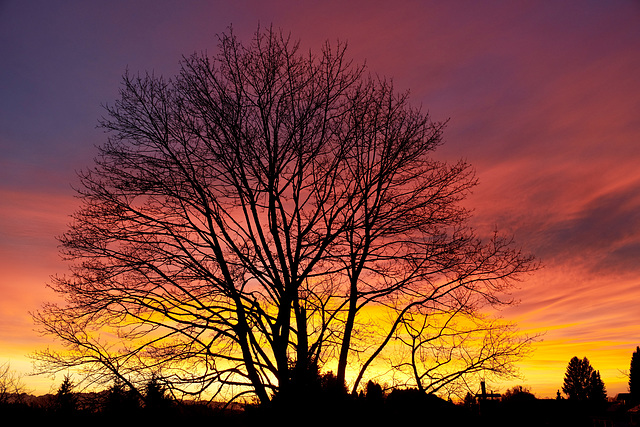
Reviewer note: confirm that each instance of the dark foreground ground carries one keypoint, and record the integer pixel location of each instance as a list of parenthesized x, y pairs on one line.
[(408, 409)]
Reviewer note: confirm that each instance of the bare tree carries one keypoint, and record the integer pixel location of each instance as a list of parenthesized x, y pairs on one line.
[(242, 216), (11, 385), (450, 352)]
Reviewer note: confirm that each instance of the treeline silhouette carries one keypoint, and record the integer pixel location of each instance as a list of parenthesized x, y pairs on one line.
[(116, 405), (326, 402)]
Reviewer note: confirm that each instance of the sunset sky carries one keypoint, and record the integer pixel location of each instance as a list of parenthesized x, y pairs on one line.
[(543, 99)]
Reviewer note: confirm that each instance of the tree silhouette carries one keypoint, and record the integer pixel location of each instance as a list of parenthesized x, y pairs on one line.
[(518, 394), (121, 399), (155, 398), (11, 385), (243, 215), (576, 379), (66, 400), (374, 393), (469, 401), (448, 349), (634, 376), (597, 392), (582, 382)]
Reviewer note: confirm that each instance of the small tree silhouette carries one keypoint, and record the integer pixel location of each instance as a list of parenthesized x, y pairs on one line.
[(374, 393), (634, 376), (155, 395), (11, 386), (597, 392), (121, 399), (331, 386), (66, 401), (469, 401)]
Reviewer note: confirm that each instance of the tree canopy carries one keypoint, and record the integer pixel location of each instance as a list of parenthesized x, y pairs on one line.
[(582, 382), (268, 213)]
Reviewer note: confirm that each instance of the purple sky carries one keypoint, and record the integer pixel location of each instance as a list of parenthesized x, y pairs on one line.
[(543, 99)]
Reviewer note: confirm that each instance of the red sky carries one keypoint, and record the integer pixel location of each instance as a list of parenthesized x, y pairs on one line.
[(543, 99)]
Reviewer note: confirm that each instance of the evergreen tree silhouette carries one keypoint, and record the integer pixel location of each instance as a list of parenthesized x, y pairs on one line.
[(66, 401), (597, 392), (582, 382), (121, 399), (634, 376), (576, 379), (155, 397)]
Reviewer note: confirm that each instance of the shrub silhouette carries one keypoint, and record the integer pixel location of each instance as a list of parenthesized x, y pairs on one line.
[(518, 395)]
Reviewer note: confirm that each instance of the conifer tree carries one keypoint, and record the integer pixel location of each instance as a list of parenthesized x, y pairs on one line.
[(121, 399), (155, 394), (634, 376), (66, 400), (597, 392), (576, 379), (582, 382)]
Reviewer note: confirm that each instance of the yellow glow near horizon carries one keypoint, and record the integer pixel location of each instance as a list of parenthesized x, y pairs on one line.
[(542, 372)]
